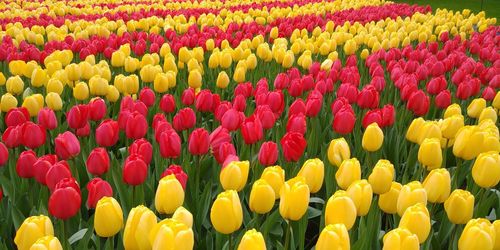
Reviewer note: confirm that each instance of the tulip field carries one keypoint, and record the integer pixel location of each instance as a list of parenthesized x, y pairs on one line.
[(248, 125)]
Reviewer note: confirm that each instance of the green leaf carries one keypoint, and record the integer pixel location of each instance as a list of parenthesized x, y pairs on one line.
[(316, 200), (313, 213), (77, 236), (17, 216)]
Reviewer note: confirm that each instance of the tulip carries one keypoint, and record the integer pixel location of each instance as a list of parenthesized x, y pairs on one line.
[(8, 102), (453, 109), (78, 116), (135, 170), (183, 215), (496, 224), (334, 236), (411, 194), (169, 195), (47, 118), (477, 234), (107, 133), (32, 229), (17, 116), (381, 177), (400, 238), (340, 209), (251, 130), (488, 113), (451, 125), (167, 103), (178, 172), (429, 153), (486, 169), (348, 172), (261, 197), (199, 142), (194, 79), (4, 154), (14, 85), (81, 91), (139, 223), (24, 164), (344, 120), (235, 175), (171, 234), (48, 242), (268, 153), (418, 103), (274, 176), (55, 173), (32, 135), (67, 145), (143, 148), (32, 105), (313, 170), (414, 129), (97, 188), (41, 166), (437, 184), (459, 206), (293, 145), (136, 126), (97, 110), (98, 161), (476, 107), (222, 80), (372, 138), (65, 201), (416, 219), (338, 151), (443, 99), (252, 240), (108, 217), (294, 198), (361, 194), (226, 213)]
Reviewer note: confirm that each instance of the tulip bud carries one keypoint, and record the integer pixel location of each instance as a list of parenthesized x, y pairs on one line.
[(140, 221), (468, 142), (108, 219), (234, 175), (381, 177), (476, 107), (8, 102), (416, 219), (459, 206), (333, 236), (488, 113), (341, 209), (411, 194), (226, 213), (400, 238), (453, 109), (252, 240), (194, 79), (414, 129), (361, 194), (48, 242), (66, 199), (477, 234), (348, 172), (33, 228), (437, 184), (496, 224), (274, 176), (14, 85), (171, 234), (67, 145), (222, 80), (429, 153), (169, 195), (294, 198), (372, 138), (183, 215), (261, 197), (486, 169), (451, 125), (338, 151), (313, 171), (268, 153)]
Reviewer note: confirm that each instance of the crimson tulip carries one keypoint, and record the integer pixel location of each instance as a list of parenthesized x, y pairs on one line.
[(371, 117), (167, 103), (231, 120), (66, 199), (418, 103), (223, 151), (32, 135), (349, 91), (147, 96), (67, 145), (297, 123), (107, 133), (135, 170), (41, 166), (443, 99), (25, 162), (143, 148), (244, 89), (388, 115), (78, 116), (281, 81), (266, 116), (136, 126), (47, 119), (97, 188), (55, 173), (97, 109), (188, 96), (436, 85), (17, 116), (98, 161), (368, 97), (219, 136), (314, 102), (12, 136), (179, 173), (251, 130), (199, 142), (204, 101), (344, 120), (268, 153), (298, 106), (293, 145), (338, 104), (83, 132), (184, 119), (170, 144)]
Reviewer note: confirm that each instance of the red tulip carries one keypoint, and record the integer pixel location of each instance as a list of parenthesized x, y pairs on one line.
[(167, 103), (244, 89), (67, 145), (281, 81), (107, 134), (372, 116), (436, 85), (143, 148), (266, 116), (408, 90), (17, 116), (147, 96), (251, 130), (57, 172), (488, 93), (33, 135), (223, 150), (344, 120), (97, 188), (25, 162), (368, 97), (231, 120), (66, 199), (418, 103), (127, 103), (199, 142), (240, 103), (204, 101), (97, 109), (295, 89), (137, 126), (170, 144), (184, 119), (98, 161), (180, 175), (338, 104), (78, 116), (268, 153), (313, 103), (298, 106), (47, 118), (4, 154), (443, 99), (41, 166), (219, 136), (135, 170), (83, 132), (188, 96), (349, 91), (388, 115), (158, 118), (12, 136), (293, 145), (297, 123)]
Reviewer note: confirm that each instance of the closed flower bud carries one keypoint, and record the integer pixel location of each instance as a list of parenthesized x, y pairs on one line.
[(48, 242), (334, 236), (496, 224), (361, 194), (400, 238), (222, 80), (414, 129), (32, 105), (338, 151), (169, 195), (381, 177), (194, 79), (486, 169), (14, 85), (8, 102), (294, 199), (183, 215), (252, 240), (274, 176), (81, 91), (372, 138), (459, 206), (429, 153), (54, 101), (488, 113), (234, 175), (340, 209), (39, 78), (261, 197), (140, 221), (453, 109), (348, 172), (416, 219), (468, 142), (411, 194), (33, 228), (451, 125), (108, 218), (477, 234), (171, 234), (388, 201), (437, 184), (226, 213), (313, 170), (430, 129), (476, 107)]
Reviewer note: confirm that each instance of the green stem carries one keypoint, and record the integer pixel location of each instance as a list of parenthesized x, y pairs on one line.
[(230, 242), (287, 235)]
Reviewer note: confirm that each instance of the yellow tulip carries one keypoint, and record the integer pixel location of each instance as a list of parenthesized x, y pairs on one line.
[(17, 67), (468, 142), (108, 219), (252, 240), (338, 151), (222, 80), (171, 234), (453, 109), (381, 177), (451, 125), (340, 209), (2, 79), (33, 228), (130, 64), (140, 221), (459, 206), (160, 83), (429, 153), (53, 101), (294, 198), (477, 234), (14, 85), (214, 60), (475, 107), (288, 60), (361, 194), (334, 236), (437, 184), (81, 91), (73, 72), (414, 129), (169, 195), (183, 215), (274, 176), (225, 59), (388, 201), (416, 219), (496, 101), (313, 170), (496, 224), (131, 83), (488, 113), (262, 197), (148, 72), (118, 58), (400, 238), (55, 85), (234, 175), (98, 86), (8, 102), (239, 74), (486, 169), (411, 194), (32, 105), (39, 78), (226, 213), (48, 242), (429, 129), (348, 172), (194, 79), (113, 94), (373, 137), (350, 47)]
